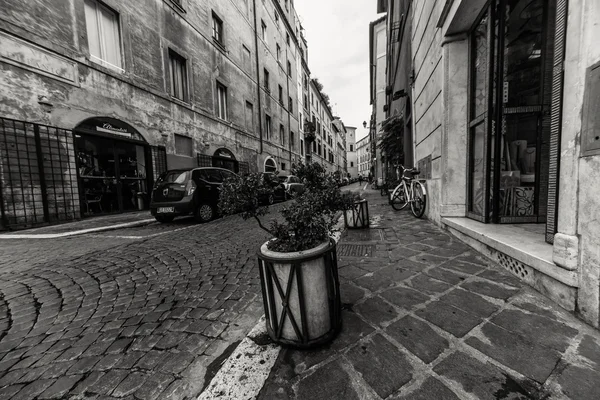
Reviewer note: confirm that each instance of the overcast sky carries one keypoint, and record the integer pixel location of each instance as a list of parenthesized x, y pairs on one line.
[(337, 32)]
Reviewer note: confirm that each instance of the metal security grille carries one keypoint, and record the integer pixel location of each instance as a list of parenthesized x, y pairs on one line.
[(159, 160), (38, 175), (244, 168), (204, 160)]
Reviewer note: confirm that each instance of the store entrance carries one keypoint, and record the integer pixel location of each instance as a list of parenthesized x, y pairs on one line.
[(509, 123), (113, 172)]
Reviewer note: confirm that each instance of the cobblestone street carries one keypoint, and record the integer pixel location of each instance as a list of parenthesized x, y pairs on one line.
[(133, 313)]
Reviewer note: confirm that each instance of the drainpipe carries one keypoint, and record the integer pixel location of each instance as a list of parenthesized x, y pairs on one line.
[(260, 132), (287, 83)]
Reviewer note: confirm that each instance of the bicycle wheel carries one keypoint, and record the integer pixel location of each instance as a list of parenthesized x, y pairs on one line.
[(398, 199), (418, 203)]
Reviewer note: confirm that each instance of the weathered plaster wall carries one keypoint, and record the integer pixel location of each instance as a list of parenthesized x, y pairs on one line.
[(427, 95), (139, 93)]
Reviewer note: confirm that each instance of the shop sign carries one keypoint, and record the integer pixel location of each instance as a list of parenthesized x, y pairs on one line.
[(108, 128)]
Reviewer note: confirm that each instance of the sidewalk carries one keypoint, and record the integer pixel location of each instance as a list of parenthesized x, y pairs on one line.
[(87, 225), (427, 317)]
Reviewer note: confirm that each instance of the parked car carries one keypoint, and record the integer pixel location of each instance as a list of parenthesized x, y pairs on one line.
[(188, 191), (291, 185), (279, 193), (345, 181)]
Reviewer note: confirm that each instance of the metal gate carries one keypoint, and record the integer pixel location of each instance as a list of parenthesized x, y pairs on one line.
[(38, 175)]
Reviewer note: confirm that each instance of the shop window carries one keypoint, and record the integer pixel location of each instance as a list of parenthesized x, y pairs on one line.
[(184, 146), (221, 101), (178, 72), (104, 40)]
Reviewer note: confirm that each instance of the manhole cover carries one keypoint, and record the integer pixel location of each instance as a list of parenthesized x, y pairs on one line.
[(355, 250)]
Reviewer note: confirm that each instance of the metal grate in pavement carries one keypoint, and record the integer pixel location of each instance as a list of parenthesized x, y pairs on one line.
[(355, 250)]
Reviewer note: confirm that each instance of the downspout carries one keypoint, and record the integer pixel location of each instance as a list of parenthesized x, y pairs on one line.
[(287, 83), (260, 125)]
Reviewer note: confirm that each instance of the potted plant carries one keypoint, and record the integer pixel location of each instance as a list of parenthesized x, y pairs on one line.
[(356, 215), (298, 265)]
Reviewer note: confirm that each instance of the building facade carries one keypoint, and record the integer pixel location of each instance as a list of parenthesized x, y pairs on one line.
[(378, 67), (351, 153), (363, 156), (99, 97), (506, 150)]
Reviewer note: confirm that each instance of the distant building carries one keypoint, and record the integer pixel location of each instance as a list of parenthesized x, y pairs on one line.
[(351, 153), (363, 156), (378, 68)]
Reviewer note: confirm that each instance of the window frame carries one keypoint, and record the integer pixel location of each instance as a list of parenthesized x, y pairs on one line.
[(266, 80), (268, 130), (175, 56), (187, 138), (263, 30), (222, 92), (98, 5), (220, 31)]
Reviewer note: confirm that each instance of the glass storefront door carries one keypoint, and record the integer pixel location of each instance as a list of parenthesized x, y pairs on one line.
[(509, 120), (112, 174)]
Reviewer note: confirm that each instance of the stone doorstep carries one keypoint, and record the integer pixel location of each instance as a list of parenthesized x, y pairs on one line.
[(78, 232), (528, 258)]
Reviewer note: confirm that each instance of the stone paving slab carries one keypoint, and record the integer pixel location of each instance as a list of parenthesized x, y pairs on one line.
[(437, 320)]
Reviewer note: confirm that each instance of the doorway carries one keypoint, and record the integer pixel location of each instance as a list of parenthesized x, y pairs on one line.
[(511, 50), (113, 169)]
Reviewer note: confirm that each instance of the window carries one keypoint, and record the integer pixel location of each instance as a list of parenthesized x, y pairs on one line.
[(280, 94), (268, 127), (104, 40), (282, 134), (283, 166), (249, 116), (351, 148), (286, 5), (289, 68), (263, 30), (301, 147), (266, 83), (290, 104), (305, 101), (276, 20), (177, 69), (278, 53), (217, 29), (351, 164), (183, 145), (287, 38), (221, 101), (314, 146), (246, 59), (292, 138)]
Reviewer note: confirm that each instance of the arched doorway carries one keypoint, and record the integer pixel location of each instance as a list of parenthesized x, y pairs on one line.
[(113, 166), (270, 165), (224, 158)]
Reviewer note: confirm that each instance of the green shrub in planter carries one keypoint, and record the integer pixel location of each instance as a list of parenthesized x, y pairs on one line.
[(298, 266)]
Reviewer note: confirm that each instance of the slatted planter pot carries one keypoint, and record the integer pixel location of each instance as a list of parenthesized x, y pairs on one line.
[(357, 217), (301, 295)]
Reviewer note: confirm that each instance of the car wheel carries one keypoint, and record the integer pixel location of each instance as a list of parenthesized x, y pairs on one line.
[(164, 218), (204, 213)]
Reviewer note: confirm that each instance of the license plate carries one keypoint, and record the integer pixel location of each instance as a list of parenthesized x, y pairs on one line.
[(162, 210)]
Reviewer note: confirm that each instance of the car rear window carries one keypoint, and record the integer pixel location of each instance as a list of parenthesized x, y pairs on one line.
[(174, 177)]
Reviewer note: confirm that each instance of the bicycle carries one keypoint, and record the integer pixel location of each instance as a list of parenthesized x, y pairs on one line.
[(409, 191)]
